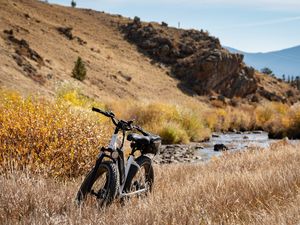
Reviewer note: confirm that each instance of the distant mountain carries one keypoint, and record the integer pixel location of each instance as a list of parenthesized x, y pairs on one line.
[(286, 61)]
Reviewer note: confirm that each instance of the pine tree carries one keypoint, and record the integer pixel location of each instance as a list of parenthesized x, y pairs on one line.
[(298, 82), (73, 3), (79, 70)]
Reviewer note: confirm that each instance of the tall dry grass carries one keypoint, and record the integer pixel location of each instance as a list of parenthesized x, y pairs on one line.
[(251, 187)]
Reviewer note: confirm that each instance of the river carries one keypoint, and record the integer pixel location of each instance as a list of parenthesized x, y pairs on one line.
[(234, 142)]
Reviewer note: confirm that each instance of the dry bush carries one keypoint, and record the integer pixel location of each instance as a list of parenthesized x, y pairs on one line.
[(250, 187), (279, 119), (174, 123), (47, 137), (240, 119)]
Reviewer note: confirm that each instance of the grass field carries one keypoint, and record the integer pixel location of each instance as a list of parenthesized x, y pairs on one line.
[(251, 187)]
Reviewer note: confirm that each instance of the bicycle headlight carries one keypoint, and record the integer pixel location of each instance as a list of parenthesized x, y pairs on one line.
[(114, 154)]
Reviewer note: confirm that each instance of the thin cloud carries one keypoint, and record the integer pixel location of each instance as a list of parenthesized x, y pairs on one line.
[(263, 23), (269, 3)]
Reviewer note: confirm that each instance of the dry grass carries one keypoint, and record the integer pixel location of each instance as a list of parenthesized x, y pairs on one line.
[(45, 145), (253, 187)]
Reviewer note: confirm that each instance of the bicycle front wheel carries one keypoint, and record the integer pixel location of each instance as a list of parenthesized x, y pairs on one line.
[(140, 179), (101, 188)]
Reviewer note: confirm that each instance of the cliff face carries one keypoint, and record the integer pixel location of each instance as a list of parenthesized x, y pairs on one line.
[(197, 59)]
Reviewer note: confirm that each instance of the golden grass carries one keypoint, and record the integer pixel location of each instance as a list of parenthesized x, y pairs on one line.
[(251, 187), (61, 138), (174, 123), (45, 146), (189, 122), (48, 137)]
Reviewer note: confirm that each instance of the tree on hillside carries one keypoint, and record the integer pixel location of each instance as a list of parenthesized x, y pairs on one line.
[(79, 70), (283, 77), (73, 3), (298, 82), (267, 71)]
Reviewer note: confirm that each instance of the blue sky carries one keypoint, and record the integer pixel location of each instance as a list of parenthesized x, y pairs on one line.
[(252, 26)]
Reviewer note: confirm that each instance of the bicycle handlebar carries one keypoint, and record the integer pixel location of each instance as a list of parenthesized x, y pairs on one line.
[(124, 125), (108, 114)]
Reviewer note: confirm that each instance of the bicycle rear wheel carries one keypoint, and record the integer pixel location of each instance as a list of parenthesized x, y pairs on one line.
[(102, 188)]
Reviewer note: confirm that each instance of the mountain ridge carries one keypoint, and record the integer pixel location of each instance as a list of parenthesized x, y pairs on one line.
[(284, 61)]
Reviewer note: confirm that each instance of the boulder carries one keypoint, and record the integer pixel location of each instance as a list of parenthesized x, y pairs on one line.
[(220, 147), (66, 31)]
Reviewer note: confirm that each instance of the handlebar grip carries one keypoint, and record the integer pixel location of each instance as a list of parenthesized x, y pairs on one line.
[(108, 114), (100, 111), (96, 110)]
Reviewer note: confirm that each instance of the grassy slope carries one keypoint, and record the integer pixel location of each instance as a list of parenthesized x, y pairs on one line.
[(254, 187), (109, 64)]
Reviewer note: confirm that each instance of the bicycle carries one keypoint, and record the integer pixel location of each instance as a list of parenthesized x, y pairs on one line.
[(113, 178)]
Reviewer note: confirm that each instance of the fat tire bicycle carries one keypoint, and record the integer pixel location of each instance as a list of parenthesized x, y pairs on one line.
[(112, 177)]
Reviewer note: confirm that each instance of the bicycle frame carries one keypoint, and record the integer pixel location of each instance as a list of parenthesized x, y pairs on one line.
[(119, 160)]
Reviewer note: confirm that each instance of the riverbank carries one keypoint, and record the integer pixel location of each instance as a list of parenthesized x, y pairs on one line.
[(214, 147), (253, 187)]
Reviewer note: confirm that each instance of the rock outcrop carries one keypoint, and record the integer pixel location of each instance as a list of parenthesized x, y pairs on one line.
[(197, 60), (24, 55)]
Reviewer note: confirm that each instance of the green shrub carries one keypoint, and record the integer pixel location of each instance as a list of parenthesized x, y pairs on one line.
[(79, 70)]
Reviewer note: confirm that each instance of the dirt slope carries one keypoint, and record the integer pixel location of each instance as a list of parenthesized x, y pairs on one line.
[(115, 67), (40, 42)]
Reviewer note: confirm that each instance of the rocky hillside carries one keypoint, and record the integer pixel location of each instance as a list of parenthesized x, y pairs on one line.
[(202, 64), (125, 58)]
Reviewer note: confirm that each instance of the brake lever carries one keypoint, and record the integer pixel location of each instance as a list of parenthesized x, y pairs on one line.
[(138, 128), (111, 113)]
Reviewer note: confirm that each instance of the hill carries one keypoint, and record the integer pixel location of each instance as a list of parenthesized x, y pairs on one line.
[(38, 55), (281, 62), (125, 58)]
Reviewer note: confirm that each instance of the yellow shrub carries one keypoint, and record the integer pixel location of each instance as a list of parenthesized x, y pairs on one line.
[(263, 114), (47, 137), (167, 119), (172, 133)]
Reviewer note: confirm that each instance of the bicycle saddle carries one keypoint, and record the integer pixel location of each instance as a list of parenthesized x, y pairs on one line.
[(142, 139)]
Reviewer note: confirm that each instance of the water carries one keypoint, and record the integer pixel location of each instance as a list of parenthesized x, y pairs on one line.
[(234, 142)]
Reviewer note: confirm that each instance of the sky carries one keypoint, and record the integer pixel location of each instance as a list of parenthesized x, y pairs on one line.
[(250, 26)]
